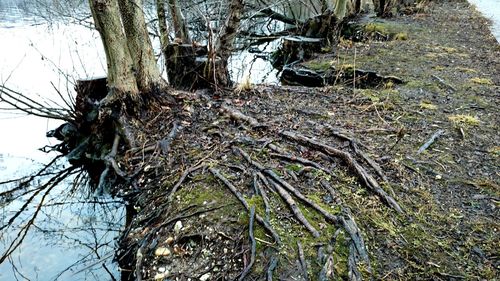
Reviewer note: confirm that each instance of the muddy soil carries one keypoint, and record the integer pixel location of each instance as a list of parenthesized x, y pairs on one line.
[(188, 224)]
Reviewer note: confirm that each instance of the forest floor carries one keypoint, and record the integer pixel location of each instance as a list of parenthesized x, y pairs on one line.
[(449, 193)]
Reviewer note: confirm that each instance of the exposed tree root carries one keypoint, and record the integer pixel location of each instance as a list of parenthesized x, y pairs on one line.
[(253, 245), (240, 198), (296, 211), (367, 179)]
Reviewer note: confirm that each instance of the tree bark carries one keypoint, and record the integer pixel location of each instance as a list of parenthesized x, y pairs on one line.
[(139, 44), (225, 41), (121, 80), (162, 24), (179, 22)]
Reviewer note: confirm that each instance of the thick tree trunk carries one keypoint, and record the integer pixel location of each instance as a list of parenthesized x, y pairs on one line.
[(179, 22), (139, 44), (121, 80)]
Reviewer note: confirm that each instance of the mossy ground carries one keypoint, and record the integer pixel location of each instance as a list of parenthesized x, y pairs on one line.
[(449, 193)]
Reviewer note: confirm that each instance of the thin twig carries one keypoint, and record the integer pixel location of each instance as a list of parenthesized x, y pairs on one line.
[(431, 140)]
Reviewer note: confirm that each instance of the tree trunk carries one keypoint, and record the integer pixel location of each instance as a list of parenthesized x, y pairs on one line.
[(162, 24), (225, 42), (139, 44), (179, 22), (121, 80)]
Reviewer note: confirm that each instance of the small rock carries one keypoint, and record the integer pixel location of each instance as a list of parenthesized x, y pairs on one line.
[(205, 277), (170, 240), (438, 177), (162, 269), (162, 251), (160, 276), (178, 227)]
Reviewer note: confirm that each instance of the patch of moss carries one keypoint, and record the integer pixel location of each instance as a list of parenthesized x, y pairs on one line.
[(464, 120), (466, 70), (318, 65), (376, 27), (401, 36), (482, 81), (428, 105)]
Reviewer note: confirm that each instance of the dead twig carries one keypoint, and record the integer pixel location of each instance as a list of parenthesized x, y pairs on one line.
[(431, 140), (237, 115), (270, 269), (442, 82), (181, 180)]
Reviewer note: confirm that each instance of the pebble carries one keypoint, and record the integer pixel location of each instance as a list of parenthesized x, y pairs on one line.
[(178, 227), (160, 276), (170, 240), (205, 277), (162, 251)]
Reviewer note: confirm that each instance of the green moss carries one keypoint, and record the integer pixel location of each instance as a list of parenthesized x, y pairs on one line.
[(402, 36), (428, 105), (319, 65), (482, 81), (376, 27), (464, 120)]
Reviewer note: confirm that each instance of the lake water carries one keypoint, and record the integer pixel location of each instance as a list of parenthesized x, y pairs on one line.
[(491, 10), (71, 239)]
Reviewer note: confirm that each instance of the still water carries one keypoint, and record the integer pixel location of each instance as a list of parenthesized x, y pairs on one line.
[(71, 239), (491, 10)]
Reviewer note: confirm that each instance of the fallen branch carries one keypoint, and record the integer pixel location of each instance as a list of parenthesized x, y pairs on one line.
[(431, 140), (355, 146), (442, 82), (283, 154), (240, 198), (367, 179), (237, 115)]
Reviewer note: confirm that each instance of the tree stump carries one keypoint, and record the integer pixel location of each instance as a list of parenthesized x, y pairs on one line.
[(296, 48), (189, 68)]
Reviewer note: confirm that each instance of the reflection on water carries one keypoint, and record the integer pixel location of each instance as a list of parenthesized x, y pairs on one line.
[(71, 238)]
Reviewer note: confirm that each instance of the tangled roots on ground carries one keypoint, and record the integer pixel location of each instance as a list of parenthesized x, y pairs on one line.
[(230, 193)]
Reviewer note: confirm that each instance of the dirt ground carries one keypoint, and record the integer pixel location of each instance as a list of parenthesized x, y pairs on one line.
[(449, 193)]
